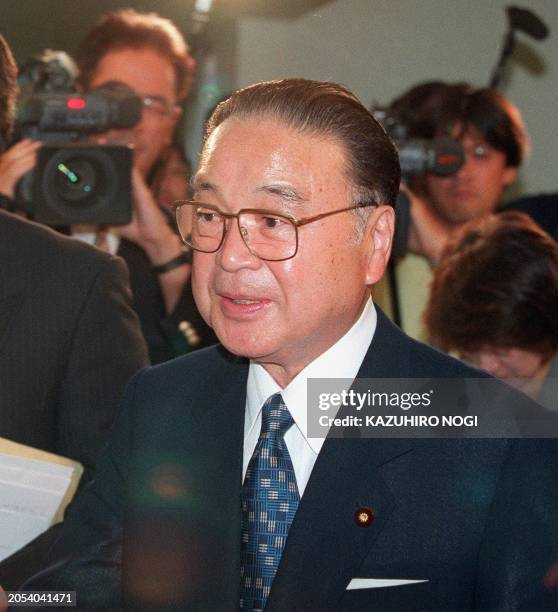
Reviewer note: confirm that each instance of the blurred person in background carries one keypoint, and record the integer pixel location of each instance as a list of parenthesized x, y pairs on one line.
[(491, 131), (494, 300), (147, 53), (171, 181)]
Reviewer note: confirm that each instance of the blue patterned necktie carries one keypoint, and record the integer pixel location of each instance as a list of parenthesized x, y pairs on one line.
[(269, 502)]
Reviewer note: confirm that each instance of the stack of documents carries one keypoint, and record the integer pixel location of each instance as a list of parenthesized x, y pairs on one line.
[(35, 488)]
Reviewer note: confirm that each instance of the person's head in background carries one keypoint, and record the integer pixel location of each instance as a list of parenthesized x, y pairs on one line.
[(494, 298), (146, 52), (8, 92), (493, 136), (171, 180)]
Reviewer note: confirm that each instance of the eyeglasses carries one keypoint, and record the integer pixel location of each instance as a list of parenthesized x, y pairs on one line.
[(268, 235), (158, 105)]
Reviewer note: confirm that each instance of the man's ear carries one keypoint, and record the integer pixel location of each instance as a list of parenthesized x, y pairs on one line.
[(510, 175), (380, 228)]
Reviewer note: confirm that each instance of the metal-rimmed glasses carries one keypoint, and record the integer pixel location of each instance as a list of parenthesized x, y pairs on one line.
[(268, 235)]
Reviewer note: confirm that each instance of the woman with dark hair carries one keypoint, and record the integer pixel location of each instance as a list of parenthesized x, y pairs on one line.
[(494, 301)]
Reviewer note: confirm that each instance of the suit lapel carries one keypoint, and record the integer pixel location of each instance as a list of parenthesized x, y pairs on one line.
[(194, 537), (222, 427), (326, 538)]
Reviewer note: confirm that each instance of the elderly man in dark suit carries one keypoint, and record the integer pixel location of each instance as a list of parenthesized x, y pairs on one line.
[(69, 339), (212, 495)]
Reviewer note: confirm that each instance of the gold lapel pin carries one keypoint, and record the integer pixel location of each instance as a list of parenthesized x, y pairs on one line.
[(364, 517)]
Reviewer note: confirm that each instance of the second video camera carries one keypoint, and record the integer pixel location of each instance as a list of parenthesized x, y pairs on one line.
[(442, 156)]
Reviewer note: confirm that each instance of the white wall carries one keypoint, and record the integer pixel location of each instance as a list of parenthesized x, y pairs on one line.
[(379, 48)]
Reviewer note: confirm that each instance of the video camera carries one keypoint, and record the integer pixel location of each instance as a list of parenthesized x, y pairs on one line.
[(75, 181), (442, 156)]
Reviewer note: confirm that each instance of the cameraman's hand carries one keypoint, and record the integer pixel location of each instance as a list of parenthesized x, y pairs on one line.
[(16, 162), (428, 234), (150, 230)]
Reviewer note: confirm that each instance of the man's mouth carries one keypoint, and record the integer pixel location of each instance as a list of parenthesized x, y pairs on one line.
[(242, 306)]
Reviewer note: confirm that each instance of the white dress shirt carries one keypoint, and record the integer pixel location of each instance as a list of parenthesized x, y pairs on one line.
[(342, 360), (112, 240)]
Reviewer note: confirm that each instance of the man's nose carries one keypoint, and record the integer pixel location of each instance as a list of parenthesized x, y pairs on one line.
[(466, 168), (234, 252)]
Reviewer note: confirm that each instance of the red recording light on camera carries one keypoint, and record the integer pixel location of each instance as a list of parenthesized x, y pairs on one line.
[(75, 103)]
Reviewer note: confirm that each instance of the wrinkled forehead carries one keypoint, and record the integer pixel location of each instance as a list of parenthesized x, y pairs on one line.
[(256, 156), (280, 131)]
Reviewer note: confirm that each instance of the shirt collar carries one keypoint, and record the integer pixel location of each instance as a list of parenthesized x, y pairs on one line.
[(342, 360), (113, 240)]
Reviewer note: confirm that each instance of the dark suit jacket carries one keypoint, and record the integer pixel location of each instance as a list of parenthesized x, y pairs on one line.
[(69, 342), (542, 208), (476, 519)]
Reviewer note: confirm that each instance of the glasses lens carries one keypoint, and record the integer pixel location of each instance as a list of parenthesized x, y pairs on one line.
[(267, 235), (200, 226)]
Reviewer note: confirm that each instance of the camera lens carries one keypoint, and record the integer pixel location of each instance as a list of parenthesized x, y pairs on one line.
[(80, 183), (77, 180)]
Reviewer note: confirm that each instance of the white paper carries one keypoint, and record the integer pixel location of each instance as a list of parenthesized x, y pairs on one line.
[(30, 494)]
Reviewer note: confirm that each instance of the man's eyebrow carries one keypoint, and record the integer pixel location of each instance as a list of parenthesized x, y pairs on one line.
[(199, 183), (286, 193)]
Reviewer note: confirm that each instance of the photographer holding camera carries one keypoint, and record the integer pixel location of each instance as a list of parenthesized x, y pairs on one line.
[(147, 53), (494, 141), (460, 148), (134, 70)]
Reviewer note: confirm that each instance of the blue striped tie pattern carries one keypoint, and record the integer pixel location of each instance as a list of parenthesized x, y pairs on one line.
[(269, 502)]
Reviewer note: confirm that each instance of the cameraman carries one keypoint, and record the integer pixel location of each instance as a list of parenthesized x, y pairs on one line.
[(490, 130), (147, 53)]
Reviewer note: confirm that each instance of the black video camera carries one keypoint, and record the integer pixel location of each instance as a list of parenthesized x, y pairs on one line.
[(442, 156), (75, 181)]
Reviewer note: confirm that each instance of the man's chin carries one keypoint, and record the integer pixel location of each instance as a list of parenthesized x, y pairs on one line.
[(457, 213), (241, 345), (457, 216)]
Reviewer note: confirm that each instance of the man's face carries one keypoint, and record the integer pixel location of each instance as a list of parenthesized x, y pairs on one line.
[(149, 75), (477, 188), (283, 314)]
